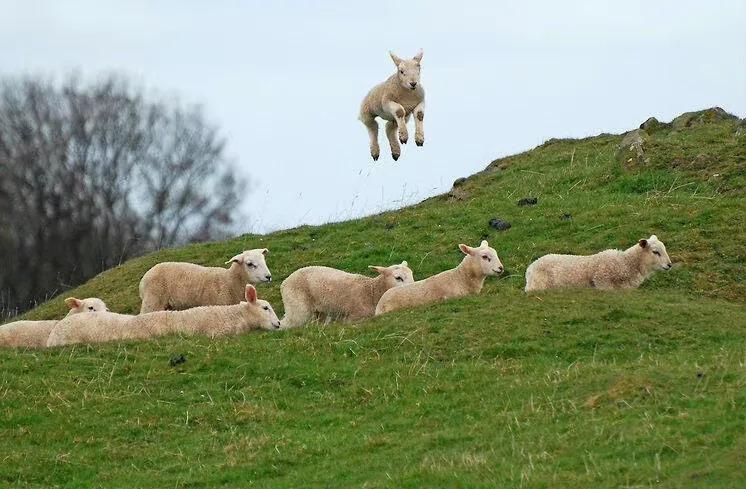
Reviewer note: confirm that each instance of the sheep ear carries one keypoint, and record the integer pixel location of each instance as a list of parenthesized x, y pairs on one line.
[(484, 244), (643, 243), (378, 269), (250, 293), (265, 251), (418, 56), (73, 303), (395, 58), (238, 259), (465, 249), (653, 237), (404, 263)]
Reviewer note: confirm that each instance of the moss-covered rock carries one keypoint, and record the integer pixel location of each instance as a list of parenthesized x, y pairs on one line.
[(699, 117)]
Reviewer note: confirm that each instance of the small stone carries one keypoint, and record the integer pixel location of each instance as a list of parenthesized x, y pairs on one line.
[(528, 201), (177, 360), (499, 224), (566, 216), (459, 181)]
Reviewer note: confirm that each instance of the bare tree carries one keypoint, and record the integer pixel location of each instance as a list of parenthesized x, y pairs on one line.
[(92, 174)]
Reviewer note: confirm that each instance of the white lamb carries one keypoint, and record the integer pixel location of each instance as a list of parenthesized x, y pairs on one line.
[(176, 285), (34, 334), (211, 321), (395, 100), (315, 292), (466, 279), (610, 269)]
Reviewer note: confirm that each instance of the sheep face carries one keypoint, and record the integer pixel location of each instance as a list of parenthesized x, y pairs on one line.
[(395, 275), (485, 257), (261, 309), (654, 255), (408, 70), (85, 305), (253, 265)]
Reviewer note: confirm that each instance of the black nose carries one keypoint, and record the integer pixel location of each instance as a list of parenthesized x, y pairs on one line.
[(268, 277), (499, 269), (412, 84)]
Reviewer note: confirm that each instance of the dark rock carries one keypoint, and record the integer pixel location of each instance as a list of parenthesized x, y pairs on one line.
[(566, 216), (459, 181), (700, 375), (528, 201), (177, 360), (499, 224), (652, 125)]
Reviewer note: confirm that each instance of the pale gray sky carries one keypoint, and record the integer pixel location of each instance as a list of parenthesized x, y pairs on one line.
[(284, 80)]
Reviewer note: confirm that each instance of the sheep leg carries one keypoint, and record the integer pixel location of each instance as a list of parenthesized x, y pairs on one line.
[(393, 141), (419, 131), (150, 303), (398, 112), (372, 126)]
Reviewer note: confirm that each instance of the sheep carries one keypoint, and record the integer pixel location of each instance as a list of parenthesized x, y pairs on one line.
[(322, 292), (395, 100), (610, 269), (211, 321), (466, 279), (176, 285), (34, 334)]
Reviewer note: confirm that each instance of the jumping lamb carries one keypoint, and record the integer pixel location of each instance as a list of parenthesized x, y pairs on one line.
[(466, 279), (211, 321), (34, 334), (315, 292), (610, 269), (395, 100), (176, 285)]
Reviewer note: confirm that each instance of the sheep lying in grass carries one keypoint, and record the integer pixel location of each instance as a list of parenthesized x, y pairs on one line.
[(34, 334), (610, 269), (465, 279), (210, 321), (395, 100), (175, 285), (322, 292)]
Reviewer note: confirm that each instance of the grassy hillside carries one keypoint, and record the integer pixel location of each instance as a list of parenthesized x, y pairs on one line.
[(564, 388)]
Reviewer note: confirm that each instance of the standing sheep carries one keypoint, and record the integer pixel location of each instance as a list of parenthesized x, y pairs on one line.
[(210, 321), (610, 269), (34, 334), (395, 100), (313, 292), (175, 285), (466, 279)]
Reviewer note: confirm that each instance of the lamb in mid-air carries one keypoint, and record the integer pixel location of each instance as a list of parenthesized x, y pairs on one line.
[(395, 100)]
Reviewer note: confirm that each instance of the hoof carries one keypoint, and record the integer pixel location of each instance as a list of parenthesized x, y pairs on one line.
[(403, 140), (375, 157), (420, 142), (395, 156)]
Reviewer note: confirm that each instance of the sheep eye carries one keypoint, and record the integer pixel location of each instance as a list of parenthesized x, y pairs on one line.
[(399, 279), (251, 265), (401, 71), (656, 253), (90, 308), (485, 257), (266, 308)]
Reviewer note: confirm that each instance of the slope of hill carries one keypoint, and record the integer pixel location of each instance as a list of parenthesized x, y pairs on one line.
[(556, 389)]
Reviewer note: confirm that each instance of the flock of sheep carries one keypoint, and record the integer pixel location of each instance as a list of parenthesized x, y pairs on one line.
[(191, 299)]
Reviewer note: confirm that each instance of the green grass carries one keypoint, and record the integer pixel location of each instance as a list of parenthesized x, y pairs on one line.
[(560, 389)]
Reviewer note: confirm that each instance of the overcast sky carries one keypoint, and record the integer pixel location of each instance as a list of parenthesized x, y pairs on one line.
[(284, 80)]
